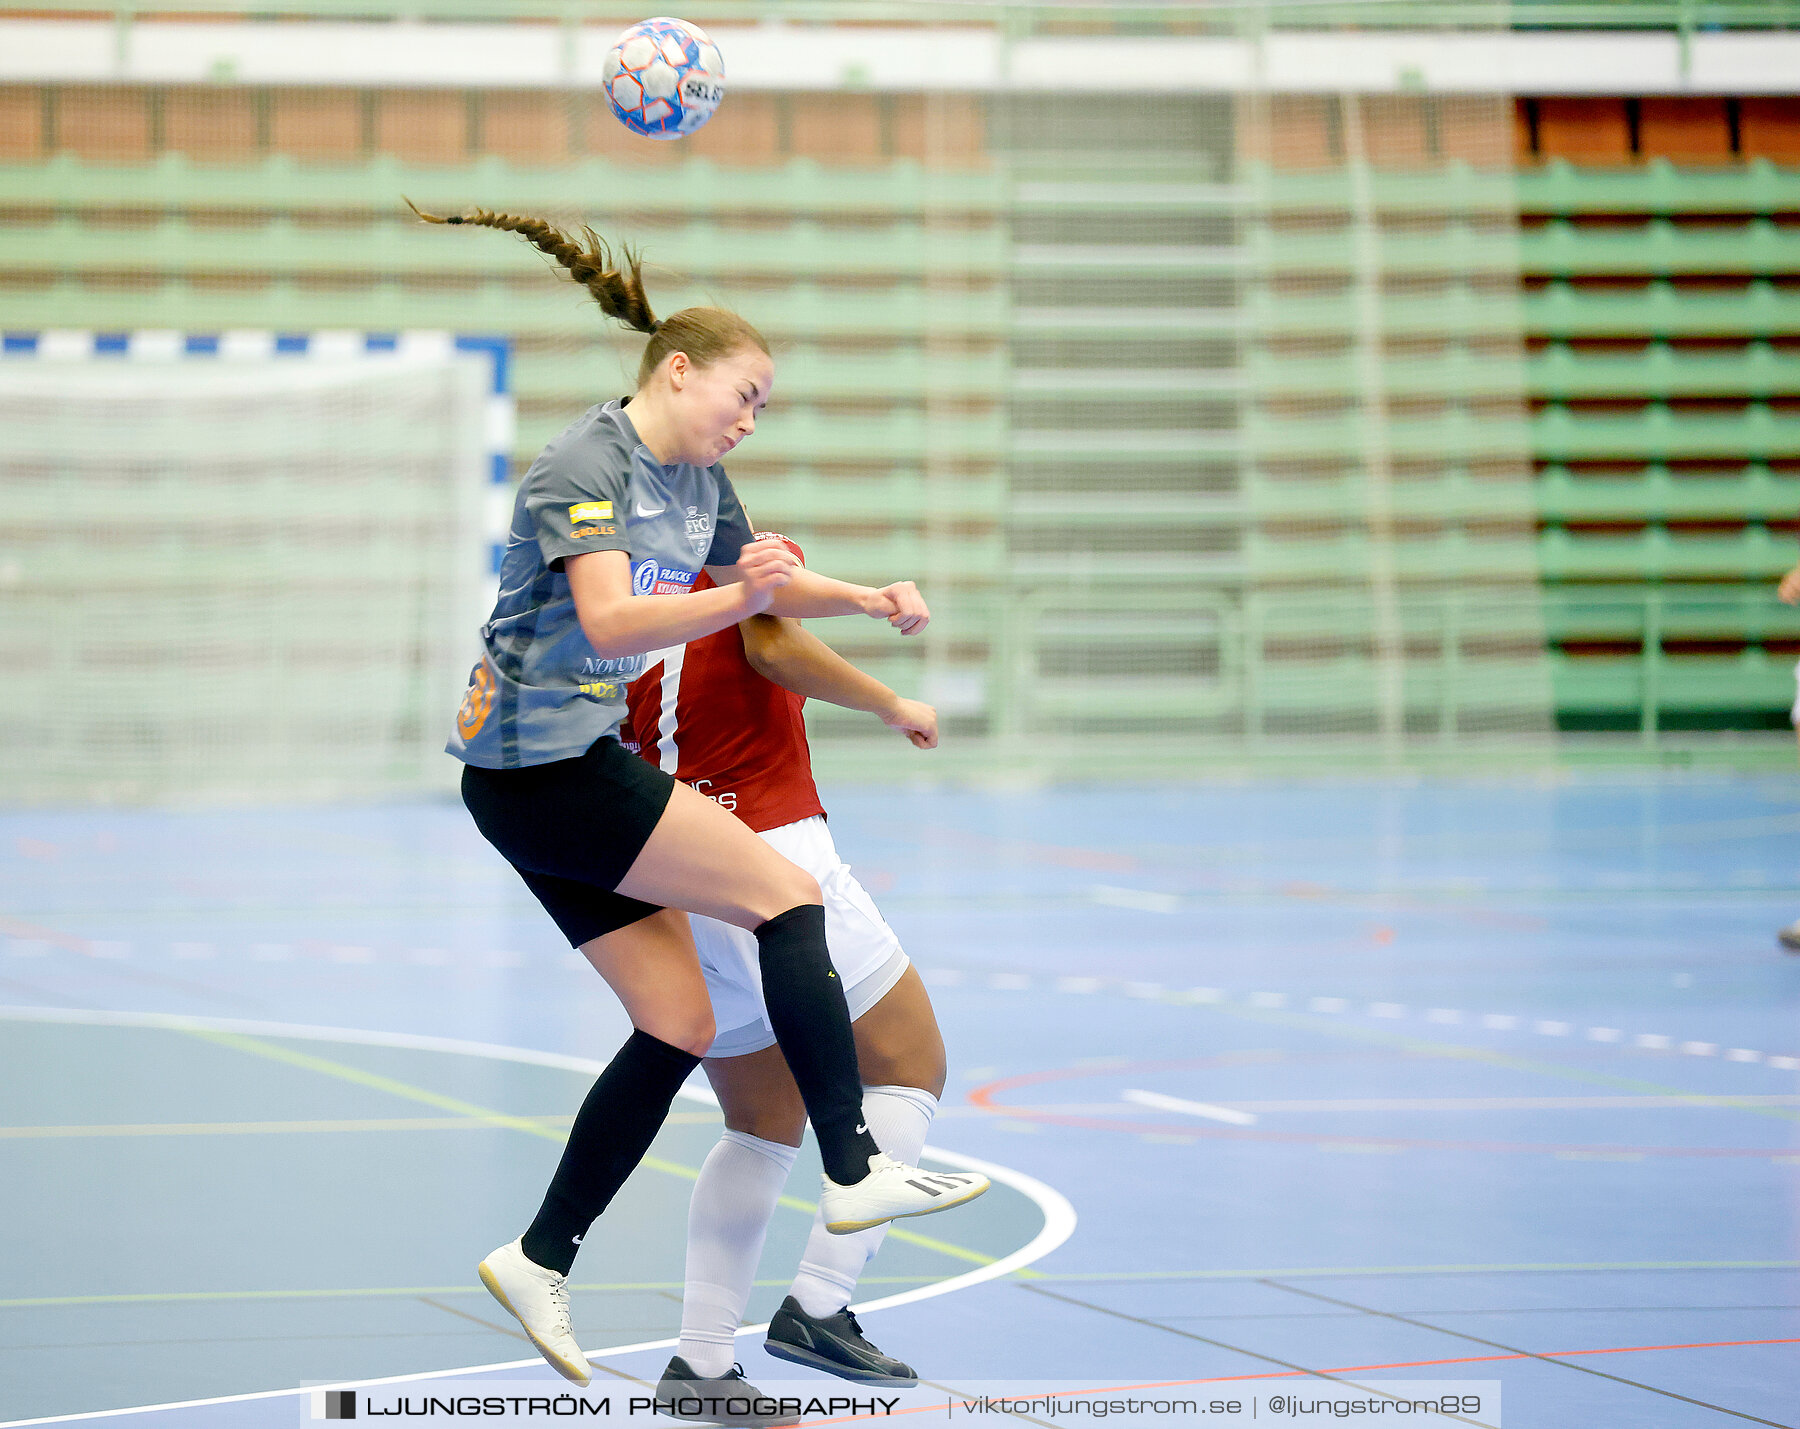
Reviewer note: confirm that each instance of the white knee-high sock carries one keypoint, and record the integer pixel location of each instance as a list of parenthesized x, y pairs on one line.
[(740, 1183), (898, 1118)]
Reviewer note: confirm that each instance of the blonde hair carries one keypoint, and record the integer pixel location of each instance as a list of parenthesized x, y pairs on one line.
[(705, 334)]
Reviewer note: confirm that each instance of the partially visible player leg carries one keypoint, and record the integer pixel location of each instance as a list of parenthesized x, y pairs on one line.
[(734, 1199), (652, 968), (902, 1054), (703, 859), (651, 965), (739, 1189)]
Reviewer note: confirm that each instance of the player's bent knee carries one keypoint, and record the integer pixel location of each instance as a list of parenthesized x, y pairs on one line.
[(794, 891), (767, 1124), (921, 1067), (798, 888), (692, 1033), (907, 1056)]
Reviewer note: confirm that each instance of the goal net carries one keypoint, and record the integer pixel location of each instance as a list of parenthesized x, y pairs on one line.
[(236, 579)]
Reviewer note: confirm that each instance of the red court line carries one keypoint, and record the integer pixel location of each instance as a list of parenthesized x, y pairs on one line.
[(1352, 1369), (14, 927), (983, 1097)]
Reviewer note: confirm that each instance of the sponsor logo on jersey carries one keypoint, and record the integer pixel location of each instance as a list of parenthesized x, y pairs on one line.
[(650, 578), (582, 532), (725, 798), (603, 690), (477, 702), (590, 511)]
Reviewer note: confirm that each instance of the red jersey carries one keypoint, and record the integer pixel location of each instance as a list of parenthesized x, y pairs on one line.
[(702, 714)]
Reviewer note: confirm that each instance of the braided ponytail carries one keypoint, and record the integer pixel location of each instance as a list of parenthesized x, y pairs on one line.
[(617, 287), (705, 334)]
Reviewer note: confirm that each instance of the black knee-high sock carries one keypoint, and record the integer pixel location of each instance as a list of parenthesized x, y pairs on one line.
[(806, 1006), (612, 1131)]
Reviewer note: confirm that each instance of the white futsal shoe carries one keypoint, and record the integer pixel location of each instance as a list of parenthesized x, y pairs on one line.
[(539, 1300), (892, 1191)]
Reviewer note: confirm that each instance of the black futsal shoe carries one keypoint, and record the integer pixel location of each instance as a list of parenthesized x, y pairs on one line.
[(834, 1344), (729, 1399)]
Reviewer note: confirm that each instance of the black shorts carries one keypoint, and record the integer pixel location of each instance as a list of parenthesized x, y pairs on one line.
[(572, 829)]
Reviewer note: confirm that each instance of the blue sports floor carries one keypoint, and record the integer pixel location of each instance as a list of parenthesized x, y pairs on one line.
[(1407, 1081)]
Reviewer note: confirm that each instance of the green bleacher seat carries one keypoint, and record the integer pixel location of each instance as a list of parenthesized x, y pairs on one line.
[(279, 183), (1755, 369), (1655, 553), (1658, 187), (1659, 433), (1661, 309), (1659, 247), (1753, 493), (905, 442)]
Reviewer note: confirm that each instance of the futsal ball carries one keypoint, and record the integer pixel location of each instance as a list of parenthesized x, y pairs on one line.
[(664, 78)]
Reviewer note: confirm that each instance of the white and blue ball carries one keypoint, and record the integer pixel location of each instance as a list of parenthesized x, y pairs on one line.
[(664, 78)]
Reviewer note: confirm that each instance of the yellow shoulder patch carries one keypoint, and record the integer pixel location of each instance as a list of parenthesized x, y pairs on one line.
[(590, 511)]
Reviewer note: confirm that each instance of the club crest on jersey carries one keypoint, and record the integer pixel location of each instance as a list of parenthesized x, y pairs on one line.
[(699, 529), (650, 578)]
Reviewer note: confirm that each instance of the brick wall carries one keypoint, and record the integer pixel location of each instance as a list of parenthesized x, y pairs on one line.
[(1686, 129), (120, 123)]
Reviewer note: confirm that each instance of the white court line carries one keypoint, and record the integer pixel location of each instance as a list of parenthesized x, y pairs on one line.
[(1059, 1215), (1188, 1108)]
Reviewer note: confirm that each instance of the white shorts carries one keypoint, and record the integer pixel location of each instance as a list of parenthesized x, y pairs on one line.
[(864, 950)]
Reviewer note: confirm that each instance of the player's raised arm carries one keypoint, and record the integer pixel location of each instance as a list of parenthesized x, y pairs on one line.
[(616, 622), (809, 595), (791, 656)]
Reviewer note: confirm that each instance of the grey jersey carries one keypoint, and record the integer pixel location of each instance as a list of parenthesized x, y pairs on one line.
[(540, 692)]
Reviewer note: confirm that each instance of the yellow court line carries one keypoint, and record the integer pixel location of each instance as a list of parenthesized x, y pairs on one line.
[(248, 1128), (202, 1296), (1458, 1052), (180, 1296), (256, 1047), (266, 1128)]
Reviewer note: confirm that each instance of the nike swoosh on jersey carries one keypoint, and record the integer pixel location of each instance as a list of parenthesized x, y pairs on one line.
[(646, 515)]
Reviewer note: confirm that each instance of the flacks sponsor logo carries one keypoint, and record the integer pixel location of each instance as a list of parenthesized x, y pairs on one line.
[(590, 511), (651, 578)]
